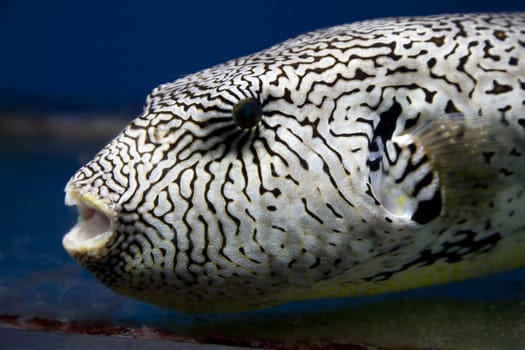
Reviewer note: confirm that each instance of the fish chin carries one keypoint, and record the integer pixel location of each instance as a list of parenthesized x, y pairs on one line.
[(94, 227)]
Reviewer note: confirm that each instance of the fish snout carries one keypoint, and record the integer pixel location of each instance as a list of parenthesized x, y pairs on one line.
[(95, 227)]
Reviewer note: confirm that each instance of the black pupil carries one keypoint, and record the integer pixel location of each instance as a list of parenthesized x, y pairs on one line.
[(247, 113)]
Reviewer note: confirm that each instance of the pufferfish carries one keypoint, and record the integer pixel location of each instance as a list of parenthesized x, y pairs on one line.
[(360, 159)]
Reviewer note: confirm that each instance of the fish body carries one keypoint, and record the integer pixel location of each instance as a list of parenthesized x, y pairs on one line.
[(360, 159)]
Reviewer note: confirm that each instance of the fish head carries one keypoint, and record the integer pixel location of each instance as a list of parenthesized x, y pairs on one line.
[(202, 198), (321, 167)]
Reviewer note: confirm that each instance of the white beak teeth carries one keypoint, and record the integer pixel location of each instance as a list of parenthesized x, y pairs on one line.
[(94, 227)]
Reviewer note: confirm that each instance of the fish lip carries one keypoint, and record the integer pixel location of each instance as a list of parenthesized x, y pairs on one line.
[(95, 226)]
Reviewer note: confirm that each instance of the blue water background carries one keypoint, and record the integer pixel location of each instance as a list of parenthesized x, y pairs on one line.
[(104, 57), (101, 55)]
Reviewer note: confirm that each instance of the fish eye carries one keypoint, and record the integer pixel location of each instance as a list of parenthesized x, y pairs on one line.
[(247, 113)]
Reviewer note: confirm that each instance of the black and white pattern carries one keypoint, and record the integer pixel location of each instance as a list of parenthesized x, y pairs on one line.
[(211, 216)]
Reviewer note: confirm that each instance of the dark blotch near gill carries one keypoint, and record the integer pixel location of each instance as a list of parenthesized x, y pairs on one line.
[(387, 123), (427, 210), (384, 130)]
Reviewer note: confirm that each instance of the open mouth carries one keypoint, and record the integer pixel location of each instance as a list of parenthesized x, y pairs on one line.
[(94, 227)]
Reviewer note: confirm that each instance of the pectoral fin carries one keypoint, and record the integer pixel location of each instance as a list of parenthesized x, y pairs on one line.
[(442, 164)]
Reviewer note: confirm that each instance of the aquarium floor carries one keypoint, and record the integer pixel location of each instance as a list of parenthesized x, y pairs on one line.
[(21, 339)]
